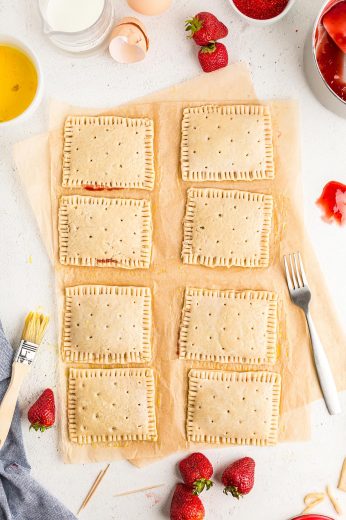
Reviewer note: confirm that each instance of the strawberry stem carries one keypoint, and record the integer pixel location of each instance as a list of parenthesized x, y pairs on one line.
[(233, 490), (39, 427), (201, 484), (209, 49), (193, 25)]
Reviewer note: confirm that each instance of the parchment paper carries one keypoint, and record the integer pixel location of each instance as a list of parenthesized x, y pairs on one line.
[(168, 276)]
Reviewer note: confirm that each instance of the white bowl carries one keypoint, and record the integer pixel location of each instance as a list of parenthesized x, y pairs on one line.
[(268, 21), (15, 42), (318, 85)]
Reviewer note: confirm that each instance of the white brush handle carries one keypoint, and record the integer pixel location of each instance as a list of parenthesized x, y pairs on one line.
[(8, 404)]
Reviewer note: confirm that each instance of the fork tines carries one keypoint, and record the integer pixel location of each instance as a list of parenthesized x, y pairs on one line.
[(295, 274)]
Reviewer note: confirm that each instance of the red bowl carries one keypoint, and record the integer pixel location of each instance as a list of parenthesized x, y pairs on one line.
[(312, 517)]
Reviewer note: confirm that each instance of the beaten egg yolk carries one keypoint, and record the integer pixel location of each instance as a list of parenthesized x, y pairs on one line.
[(18, 82)]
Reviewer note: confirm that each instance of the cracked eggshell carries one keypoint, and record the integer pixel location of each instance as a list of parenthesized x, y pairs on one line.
[(129, 42)]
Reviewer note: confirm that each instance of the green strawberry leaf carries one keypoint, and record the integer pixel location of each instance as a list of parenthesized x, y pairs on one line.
[(233, 490), (39, 427), (209, 49), (201, 484)]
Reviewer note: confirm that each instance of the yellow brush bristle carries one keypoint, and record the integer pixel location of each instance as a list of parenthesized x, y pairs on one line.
[(34, 327)]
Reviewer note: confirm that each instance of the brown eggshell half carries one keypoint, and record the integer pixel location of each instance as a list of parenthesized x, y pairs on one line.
[(129, 42)]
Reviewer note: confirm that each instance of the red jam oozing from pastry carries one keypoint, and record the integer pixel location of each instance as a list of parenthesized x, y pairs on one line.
[(330, 44), (333, 202), (92, 187), (261, 9)]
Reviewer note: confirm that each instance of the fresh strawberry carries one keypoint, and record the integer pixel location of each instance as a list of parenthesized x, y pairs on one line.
[(205, 28), (42, 413), (197, 471), (239, 477), (213, 56), (185, 505)]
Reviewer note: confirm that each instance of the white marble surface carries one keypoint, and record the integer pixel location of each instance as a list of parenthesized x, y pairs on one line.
[(274, 54)]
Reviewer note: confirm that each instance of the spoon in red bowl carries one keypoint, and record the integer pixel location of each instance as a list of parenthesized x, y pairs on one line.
[(334, 22)]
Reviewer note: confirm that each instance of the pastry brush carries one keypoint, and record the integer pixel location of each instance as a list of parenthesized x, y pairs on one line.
[(34, 328)]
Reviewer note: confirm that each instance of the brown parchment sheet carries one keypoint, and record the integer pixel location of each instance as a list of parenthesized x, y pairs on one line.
[(168, 276)]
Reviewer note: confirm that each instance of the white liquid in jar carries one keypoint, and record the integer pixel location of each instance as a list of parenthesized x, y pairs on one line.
[(73, 15)]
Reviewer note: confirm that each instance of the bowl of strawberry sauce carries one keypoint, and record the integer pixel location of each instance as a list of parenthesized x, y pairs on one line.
[(325, 57), (312, 517), (262, 12)]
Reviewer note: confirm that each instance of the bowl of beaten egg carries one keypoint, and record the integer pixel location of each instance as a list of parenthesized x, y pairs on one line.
[(21, 81)]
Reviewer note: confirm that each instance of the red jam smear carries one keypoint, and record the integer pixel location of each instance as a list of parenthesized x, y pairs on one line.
[(92, 187), (261, 9), (330, 57), (333, 202)]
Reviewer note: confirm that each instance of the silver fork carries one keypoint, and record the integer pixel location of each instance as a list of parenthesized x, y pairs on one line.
[(301, 296)]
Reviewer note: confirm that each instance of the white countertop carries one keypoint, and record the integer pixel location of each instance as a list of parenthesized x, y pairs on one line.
[(285, 473)]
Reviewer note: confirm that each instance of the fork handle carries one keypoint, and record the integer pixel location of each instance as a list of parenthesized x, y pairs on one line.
[(324, 372)]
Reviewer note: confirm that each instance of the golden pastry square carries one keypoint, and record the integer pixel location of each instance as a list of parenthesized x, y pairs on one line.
[(108, 152), (109, 405), (229, 326), (95, 231), (233, 407), (107, 324), (231, 142), (227, 228)]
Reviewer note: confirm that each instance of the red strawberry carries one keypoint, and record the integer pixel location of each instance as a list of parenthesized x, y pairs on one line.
[(239, 477), (185, 505), (205, 28), (197, 471), (213, 56), (42, 413)]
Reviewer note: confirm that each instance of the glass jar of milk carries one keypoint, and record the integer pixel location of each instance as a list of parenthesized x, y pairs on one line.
[(77, 26)]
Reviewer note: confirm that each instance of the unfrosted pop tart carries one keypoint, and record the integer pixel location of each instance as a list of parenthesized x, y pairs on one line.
[(108, 152), (104, 232), (227, 228), (233, 407), (107, 324), (229, 326), (111, 405), (229, 142)]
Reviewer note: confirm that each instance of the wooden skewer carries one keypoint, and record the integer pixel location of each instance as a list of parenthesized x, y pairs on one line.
[(342, 478), (311, 497), (333, 500), (93, 488), (90, 491), (140, 490), (312, 505)]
